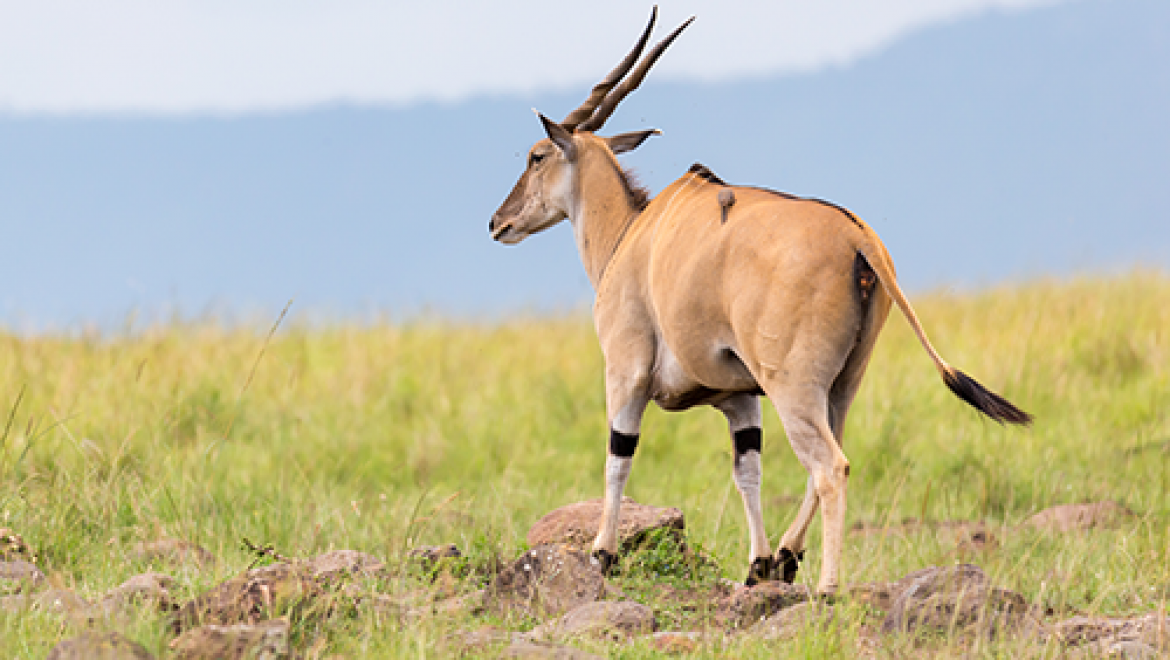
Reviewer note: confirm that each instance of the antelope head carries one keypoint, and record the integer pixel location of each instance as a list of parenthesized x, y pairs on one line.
[(546, 192)]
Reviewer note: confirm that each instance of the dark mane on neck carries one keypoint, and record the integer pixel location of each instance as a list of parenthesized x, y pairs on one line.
[(638, 194)]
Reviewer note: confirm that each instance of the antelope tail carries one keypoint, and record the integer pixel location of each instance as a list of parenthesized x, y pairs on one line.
[(965, 387)]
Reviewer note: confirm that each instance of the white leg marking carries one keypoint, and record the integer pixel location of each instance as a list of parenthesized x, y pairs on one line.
[(743, 412), (628, 421)]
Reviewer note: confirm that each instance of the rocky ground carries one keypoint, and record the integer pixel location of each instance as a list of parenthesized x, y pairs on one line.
[(553, 601)]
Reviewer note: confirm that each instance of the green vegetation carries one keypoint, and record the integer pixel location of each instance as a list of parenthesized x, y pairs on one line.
[(388, 436)]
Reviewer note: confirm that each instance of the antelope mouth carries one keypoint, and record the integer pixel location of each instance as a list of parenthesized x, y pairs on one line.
[(502, 232)]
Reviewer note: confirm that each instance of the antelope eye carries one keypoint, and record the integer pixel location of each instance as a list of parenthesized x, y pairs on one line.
[(533, 159)]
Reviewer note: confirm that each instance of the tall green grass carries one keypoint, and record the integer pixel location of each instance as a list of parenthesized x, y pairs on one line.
[(386, 436)]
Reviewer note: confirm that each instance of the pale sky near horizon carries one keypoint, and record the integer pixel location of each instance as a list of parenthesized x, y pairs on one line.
[(150, 57)]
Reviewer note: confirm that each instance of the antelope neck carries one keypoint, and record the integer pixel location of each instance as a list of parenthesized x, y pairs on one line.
[(604, 216)]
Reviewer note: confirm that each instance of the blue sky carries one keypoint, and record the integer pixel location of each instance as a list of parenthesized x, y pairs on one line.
[(984, 143)]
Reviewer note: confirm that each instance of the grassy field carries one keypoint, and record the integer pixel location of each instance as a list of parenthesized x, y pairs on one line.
[(388, 436)]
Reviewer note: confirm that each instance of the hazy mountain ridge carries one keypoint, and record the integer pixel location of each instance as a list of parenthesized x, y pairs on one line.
[(1006, 145)]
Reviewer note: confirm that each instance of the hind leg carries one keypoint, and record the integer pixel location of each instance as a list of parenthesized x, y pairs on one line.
[(743, 418), (802, 410), (792, 544)]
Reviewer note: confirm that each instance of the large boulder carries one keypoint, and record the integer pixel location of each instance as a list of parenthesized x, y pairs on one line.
[(956, 598), (576, 524), (547, 580)]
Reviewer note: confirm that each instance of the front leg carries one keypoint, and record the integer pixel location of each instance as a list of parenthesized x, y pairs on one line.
[(626, 399)]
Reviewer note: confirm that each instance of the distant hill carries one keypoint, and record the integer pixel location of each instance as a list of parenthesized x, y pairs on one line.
[(1004, 146)]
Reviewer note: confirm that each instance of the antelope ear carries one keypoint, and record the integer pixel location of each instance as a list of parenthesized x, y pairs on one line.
[(560, 136), (620, 144)]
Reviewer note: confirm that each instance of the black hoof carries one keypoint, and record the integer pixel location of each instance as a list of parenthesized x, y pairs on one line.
[(606, 559), (763, 569), (789, 563)]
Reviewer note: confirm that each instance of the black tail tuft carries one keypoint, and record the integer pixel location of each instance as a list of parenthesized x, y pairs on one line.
[(984, 400)]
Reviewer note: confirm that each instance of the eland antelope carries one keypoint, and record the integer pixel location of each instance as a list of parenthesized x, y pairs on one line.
[(717, 294)]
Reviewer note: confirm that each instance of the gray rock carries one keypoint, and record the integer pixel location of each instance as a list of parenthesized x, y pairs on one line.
[(1150, 629), (576, 524), (674, 642), (547, 580), (523, 649), (748, 605), (19, 576), (472, 603), (614, 620), (1130, 650), (340, 563), (1073, 517), (955, 598), (792, 621), (58, 601), (99, 646), (151, 589), (266, 640)]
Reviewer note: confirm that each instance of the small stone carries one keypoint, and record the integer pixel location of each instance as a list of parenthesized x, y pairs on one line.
[(147, 588), (1151, 629), (99, 646), (792, 621), (59, 601), (615, 620), (524, 649), (748, 605), (19, 576), (1073, 517), (676, 642), (558, 579), (339, 563), (1130, 650), (266, 640)]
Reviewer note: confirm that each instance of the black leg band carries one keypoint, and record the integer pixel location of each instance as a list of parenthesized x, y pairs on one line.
[(749, 439), (622, 445)]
